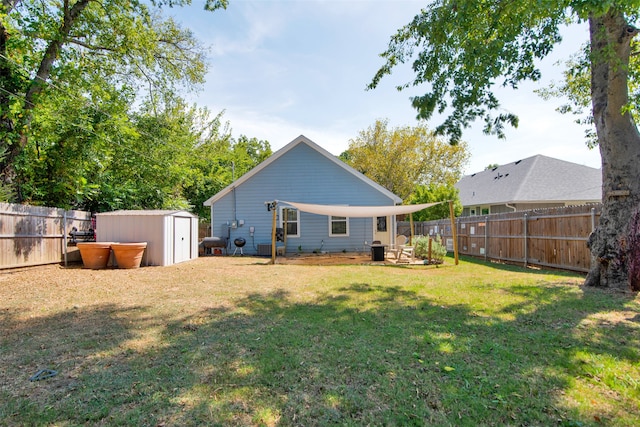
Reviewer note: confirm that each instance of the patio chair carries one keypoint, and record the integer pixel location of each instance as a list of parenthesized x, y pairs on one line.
[(406, 254), (396, 249)]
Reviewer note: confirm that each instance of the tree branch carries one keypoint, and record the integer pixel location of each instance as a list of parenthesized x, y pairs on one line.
[(89, 46), (53, 50)]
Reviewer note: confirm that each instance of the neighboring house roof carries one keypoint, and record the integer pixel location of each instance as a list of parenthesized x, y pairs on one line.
[(275, 156), (536, 179)]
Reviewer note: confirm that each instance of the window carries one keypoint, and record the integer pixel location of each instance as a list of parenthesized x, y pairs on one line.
[(338, 226), (381, 223), (485, 211), (292, 219)]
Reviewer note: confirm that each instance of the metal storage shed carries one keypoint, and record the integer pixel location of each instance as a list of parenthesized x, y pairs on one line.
[(171, 236)]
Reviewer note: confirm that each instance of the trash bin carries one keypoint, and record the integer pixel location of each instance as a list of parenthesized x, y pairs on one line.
[(377, 252)]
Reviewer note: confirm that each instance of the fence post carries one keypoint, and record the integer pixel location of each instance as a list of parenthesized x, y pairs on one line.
[(486, 237), (592, 258), (525, 240), (64, 236), (538, 242), (454, 224)]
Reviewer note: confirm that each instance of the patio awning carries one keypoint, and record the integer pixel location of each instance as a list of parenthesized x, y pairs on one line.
[(358, 211)]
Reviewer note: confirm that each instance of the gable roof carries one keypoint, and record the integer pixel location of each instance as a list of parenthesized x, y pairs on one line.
[(281, 152), (534, 179)]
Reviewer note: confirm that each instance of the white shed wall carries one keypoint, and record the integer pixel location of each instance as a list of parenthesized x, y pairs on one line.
[(157, 230)]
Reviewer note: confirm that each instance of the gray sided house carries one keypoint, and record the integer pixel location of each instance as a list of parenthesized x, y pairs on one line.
[(304, 172), (533, 183)]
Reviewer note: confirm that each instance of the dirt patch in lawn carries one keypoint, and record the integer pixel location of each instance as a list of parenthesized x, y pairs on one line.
[(330, 259)]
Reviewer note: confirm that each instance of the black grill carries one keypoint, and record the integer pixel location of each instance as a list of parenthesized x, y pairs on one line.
[(239, 242), (208, 243)]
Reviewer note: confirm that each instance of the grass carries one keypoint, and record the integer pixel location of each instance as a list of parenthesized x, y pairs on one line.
[(232, 341)]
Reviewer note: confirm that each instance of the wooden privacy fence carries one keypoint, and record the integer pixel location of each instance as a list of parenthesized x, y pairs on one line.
[(34, 235), (554, 237)]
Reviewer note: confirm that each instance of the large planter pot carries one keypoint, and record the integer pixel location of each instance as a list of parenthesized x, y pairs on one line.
[(128, 255), (95, 255)]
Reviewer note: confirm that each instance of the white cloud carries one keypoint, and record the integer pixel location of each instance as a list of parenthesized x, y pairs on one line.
[(285, 68)]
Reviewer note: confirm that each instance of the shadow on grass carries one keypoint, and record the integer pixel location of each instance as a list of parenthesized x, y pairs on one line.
[(362, 355), (505, 266)]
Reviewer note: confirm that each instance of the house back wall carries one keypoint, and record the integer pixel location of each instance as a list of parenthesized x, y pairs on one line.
[(303, 175)]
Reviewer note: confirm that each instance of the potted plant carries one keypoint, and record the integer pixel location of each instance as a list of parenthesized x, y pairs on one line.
[(128, 255), (95, 255)]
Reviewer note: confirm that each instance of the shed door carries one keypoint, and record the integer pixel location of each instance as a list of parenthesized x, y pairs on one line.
[(181, 239)]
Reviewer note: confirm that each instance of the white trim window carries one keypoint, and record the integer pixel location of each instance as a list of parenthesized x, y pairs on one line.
[(293, 221), (338, 226)]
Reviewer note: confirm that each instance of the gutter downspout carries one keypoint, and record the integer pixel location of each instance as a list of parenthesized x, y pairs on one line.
[(513, 208), (233, 190)]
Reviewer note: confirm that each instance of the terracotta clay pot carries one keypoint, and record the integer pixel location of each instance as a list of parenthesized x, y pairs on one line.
[(128, 255), (95, 255)]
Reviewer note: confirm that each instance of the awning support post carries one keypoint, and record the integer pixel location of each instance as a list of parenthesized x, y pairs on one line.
[(411, 226), (273, 235)]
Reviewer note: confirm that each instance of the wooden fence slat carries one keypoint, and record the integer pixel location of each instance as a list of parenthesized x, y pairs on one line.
[(554, 237), (36, 235)]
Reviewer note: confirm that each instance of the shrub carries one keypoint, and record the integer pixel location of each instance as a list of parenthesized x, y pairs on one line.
[(438, 251)]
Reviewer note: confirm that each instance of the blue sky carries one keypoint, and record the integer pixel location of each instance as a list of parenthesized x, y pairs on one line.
[(282, 68)]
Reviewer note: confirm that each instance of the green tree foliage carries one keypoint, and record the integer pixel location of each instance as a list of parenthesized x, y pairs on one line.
[(71, 145), (167, 156), (461, 50), (217, 162), (435, 193), (576, 89), (86, 49), (403, 157), (89, 112), (6, 192)]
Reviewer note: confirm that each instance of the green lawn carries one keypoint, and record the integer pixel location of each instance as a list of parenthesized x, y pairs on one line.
[(233, 341)]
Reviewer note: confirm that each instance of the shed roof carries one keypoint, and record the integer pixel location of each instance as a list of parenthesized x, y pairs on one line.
[(275, 156), (534, 179), (152, 212)]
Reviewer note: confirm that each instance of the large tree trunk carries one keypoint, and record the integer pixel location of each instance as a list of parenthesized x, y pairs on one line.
[(615, 244), (9, 86)]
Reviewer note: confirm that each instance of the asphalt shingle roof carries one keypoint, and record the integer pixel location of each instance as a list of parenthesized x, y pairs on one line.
[(535, 179)]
